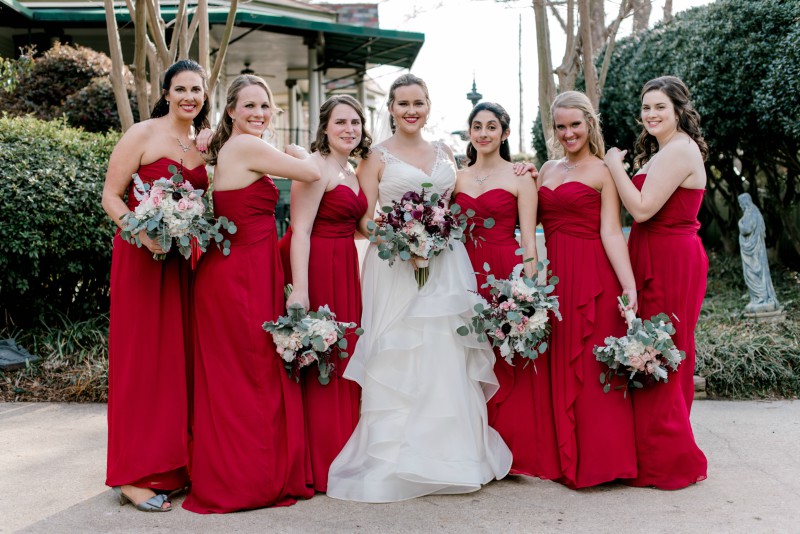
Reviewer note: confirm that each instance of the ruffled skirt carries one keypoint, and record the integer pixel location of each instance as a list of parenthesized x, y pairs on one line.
[(423, 427)]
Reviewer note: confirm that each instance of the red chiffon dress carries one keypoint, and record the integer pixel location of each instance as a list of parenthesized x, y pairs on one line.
[(249, 443), (594, 429), (149, 357), (522, 409), (670, 266), (331, 411)]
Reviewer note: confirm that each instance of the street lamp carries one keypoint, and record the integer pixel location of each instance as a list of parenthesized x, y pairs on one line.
[(474, 96)]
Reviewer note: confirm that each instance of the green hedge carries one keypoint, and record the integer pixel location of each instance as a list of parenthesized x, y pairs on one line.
[(55, 250)]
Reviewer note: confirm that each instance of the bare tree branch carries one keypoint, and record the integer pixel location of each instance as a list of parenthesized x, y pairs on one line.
[(611, 41), (140, 59), (223, 47), (547, 88), (155, 24)]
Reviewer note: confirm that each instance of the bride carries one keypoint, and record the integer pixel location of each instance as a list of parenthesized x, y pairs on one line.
[(423, 426)]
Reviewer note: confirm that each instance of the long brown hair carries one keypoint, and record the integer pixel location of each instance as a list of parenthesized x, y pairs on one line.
[(688, 118), (325, 110), (505, 124), (225, 127), (162, 106)]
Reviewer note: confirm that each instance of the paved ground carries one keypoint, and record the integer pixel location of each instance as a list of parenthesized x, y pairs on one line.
[(52, 465)]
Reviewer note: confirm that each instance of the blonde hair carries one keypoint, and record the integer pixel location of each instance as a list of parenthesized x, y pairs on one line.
[(579, 101), (225, 127)]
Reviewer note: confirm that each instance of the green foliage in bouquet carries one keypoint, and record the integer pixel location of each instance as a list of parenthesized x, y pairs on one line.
[(303, 338), (166, 223)]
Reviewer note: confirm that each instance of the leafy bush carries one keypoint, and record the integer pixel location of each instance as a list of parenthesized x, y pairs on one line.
[(56, 246), (94, 107), (60, 71), (66, 80)]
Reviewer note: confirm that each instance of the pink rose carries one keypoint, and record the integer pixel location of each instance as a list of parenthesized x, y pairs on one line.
[(184, 204), (637, 363)]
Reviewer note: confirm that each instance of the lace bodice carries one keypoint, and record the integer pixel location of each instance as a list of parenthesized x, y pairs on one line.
[(399, 177)]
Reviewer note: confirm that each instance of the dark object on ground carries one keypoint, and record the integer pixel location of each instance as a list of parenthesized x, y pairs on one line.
[(14, 357)]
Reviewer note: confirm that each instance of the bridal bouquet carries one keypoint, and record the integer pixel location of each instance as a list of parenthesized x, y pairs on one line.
[(172, 212), (645, 352), (419, 227), (303, 338), (517, 319)]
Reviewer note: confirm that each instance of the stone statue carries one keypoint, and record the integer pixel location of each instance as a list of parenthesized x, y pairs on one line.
[(754, 260)]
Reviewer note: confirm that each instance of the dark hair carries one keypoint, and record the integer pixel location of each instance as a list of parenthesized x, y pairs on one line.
[(404, 81), (688, 118), (505, 123), (581, 102), (325, 110), (161, 108), (225, 126)]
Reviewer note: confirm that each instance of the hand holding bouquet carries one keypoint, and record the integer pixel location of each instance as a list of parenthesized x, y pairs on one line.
[(416, 228), (517, 319), (304, 338), (171, 211), (645, 352)]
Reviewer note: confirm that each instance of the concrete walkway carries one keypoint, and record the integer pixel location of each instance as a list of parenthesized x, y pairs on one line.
[(52, 468)]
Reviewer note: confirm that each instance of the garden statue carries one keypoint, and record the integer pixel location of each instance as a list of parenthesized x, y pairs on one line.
[(754, 261)]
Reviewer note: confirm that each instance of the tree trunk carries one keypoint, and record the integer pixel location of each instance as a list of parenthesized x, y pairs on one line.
[(589, 70), (117, 68), (223, 47), (667, 10), (641, 14), (547, 87), (140, 60), (598, 16)]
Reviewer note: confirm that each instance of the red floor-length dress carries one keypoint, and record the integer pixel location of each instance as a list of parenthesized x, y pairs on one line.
[(149, 357), (249, 443), (594, 429), (331, 411), (670, 266), (521, 410)]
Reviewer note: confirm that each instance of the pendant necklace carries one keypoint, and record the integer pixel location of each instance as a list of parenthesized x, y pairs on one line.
[(345, 170), (185, 148), (569, 167)]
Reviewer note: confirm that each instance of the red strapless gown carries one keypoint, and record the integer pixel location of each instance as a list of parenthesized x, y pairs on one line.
[(249, 443), (148, 403), (522, 409), (332, 410), (594, 429), (670, 266)]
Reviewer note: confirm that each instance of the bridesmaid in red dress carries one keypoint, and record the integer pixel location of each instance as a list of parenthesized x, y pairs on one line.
[(521, 410), (249, 444), (670, 265), (148, 408), (580, 212), (321, 242)]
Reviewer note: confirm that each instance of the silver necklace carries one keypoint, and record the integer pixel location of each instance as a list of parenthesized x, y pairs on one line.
[(345, 170), (568, 166), (185, 148), (480, 179)]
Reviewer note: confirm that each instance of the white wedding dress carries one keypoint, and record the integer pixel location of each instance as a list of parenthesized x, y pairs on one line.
[(423, 426)]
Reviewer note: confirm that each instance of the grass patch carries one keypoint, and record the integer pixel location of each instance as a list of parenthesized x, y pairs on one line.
[(74, 364), (740, 357)]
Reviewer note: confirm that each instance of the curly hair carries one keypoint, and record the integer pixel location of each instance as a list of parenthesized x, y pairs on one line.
[(326, 109), (581, 102), (161, 108), (505, 124), (688, 118), (225, 127)]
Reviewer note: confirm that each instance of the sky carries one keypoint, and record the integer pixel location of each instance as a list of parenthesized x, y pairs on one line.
[(480, 38)]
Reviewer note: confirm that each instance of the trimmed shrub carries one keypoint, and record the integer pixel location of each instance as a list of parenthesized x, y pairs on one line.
[(56, 247), (94, 107), (60, 71)]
